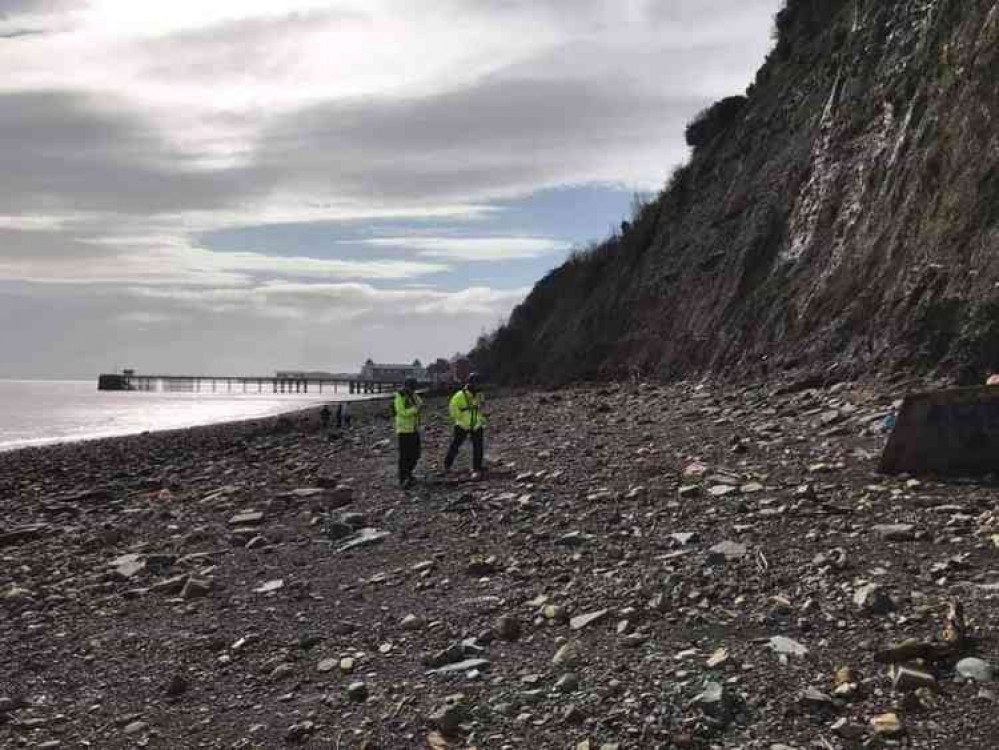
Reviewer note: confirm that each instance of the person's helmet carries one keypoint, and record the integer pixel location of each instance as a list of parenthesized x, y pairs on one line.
[(473, 379), (410, 384)]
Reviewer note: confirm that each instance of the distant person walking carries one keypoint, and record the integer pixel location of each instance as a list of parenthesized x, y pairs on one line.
[(408, 408), (346, 414), (324, 420), (339, 416), (468, 415)]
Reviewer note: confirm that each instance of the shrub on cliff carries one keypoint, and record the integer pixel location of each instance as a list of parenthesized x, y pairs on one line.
[(713, 120)]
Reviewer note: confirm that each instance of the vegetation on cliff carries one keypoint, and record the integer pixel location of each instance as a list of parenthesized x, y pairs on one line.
[(841, 216)]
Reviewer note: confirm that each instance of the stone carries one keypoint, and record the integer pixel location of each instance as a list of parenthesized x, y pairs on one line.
[(573, 714), (327, 665), (480, 566), (581, 621), (567, 683), (555, 613), (508, 628), (685, 538), (783, 645), (567, 655), (176, 686), (128, 566), (872, 600), (463, 666), (448, 718), (815, 699), (196, 588), (298, 733), (364, 538), (887, 725), (247, 518), (135, 727), (280, 672), (348, 664), (717, 659), (909, 679), (357, 692), (975, 670), (412, 623), (721, 490), (894, 532), (847, 729), (726, 551), (269, 586), (714, 701)]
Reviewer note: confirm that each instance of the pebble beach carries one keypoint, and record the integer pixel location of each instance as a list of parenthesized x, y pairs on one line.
[(643, 566)]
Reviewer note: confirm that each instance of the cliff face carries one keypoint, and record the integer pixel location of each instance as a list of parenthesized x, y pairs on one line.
[(844, 216)]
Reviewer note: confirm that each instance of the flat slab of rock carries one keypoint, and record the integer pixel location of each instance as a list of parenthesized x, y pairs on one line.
[(23, 534), (364, 538), (783, 645), (895, 532), (462, 666), (247, 518), (581, 621), (726, 551)]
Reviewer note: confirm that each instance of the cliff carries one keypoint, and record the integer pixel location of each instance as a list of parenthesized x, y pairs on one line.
[(842, 217)]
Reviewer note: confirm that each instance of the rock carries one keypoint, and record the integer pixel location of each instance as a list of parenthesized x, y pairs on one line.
[(176, 686), (340, 496), (725, 552), (975, 670), (872, 600), (572, 714), (300, 732), (847, 729), (717, 659), (135, 727), (347, 665), (815, 699), (567, 683), (574, 539), (480, 566), (357, 692), (247, 518), (196, 588), (581, 621), (412, 623), (364, 538), (567, 655), (715, 701), (887, 725), (788, 646), (555, 613), (275, 585), (895, 532), (128, 566), (327, 665), (257, 542), (685, 538), (508, 628), (449, 718), (280, 672), (909, 679), (462, 666), (721, 490)]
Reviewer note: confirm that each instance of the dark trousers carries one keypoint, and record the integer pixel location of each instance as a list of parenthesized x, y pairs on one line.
[(458, 440), (409, 454)]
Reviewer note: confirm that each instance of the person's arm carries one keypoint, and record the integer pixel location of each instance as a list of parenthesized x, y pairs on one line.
[(457, 406)]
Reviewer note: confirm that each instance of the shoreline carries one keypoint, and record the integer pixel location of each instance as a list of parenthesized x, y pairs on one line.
[(316, 405)]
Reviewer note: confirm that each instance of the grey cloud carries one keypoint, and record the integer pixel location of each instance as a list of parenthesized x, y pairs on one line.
[(11, 8), (499, 135), (70, 151)]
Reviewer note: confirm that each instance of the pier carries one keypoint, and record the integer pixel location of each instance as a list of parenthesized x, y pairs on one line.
[(129, 380)]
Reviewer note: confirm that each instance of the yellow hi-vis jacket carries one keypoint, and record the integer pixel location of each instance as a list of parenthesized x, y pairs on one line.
[(407, 412), (467, 410)]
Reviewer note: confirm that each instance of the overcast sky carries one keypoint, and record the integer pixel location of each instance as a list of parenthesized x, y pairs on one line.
[(239, 186)]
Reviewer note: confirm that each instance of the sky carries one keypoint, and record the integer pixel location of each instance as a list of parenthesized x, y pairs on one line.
[(239, 186)]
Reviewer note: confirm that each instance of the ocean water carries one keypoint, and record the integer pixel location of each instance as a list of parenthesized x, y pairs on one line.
[(41, 412)]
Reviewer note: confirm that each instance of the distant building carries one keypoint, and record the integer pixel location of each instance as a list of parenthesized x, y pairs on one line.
[(302, 374), (392, 373)]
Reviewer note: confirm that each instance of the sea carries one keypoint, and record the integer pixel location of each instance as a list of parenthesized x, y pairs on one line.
[(42, 412)]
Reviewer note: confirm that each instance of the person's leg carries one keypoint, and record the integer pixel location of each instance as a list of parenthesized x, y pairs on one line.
[(403, 458), (456, 441), (477, 450), (417, 451)]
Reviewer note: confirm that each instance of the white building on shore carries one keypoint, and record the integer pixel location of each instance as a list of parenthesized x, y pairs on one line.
[(393, 373)]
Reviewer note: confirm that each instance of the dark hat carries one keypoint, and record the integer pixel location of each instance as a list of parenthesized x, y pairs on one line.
[(473, 379), (410, 384)]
